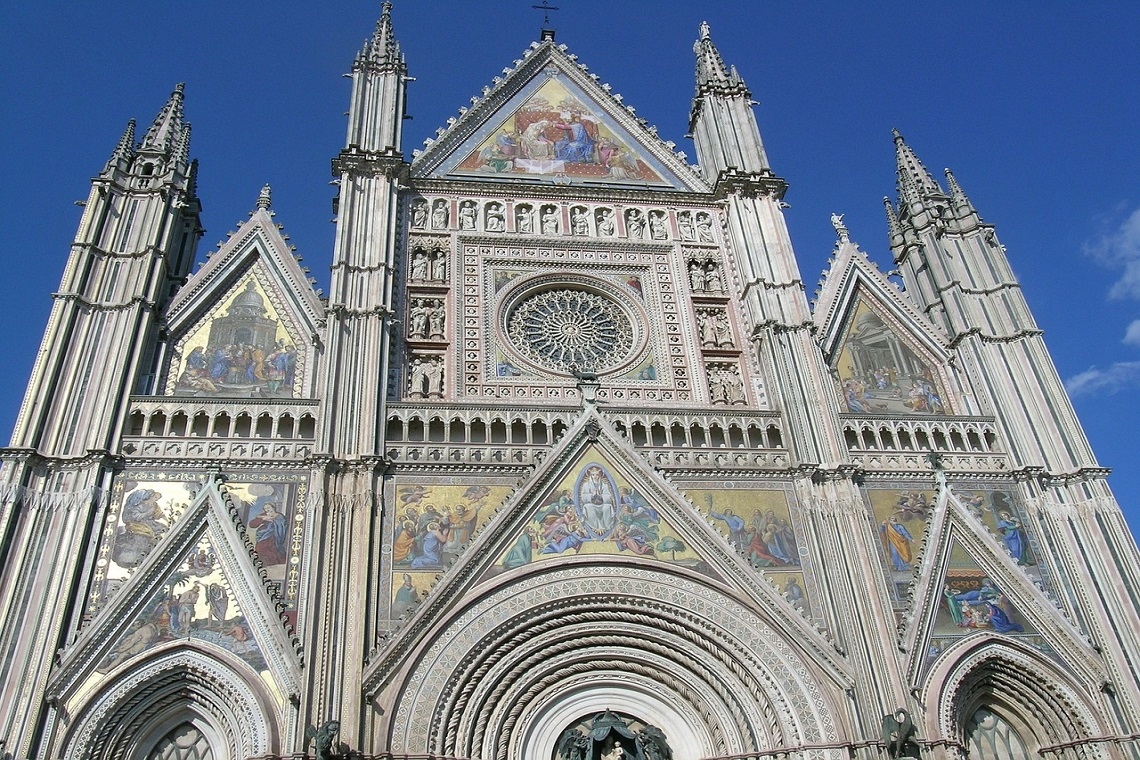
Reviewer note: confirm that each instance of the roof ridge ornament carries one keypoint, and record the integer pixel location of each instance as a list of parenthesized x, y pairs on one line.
[(547, 33)]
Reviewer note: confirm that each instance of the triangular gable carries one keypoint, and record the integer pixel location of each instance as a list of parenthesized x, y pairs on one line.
[(586, 473), (971, 584), (243, 325), (887, 357), (202, 582), (550, 121), (145, 505)]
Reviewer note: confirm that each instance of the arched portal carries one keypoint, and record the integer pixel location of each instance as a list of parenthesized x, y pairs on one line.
[(504, 677), (181, 704)]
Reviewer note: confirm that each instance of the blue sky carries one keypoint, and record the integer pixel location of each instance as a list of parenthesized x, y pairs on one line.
[(1032, 104)]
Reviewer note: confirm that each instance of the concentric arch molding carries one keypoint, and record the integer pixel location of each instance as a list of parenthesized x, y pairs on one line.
[(562, 323), (730, 648)]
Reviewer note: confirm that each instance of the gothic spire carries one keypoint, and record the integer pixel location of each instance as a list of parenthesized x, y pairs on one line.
[(911, 170), (712, 74), (125, 150), (962, 205), (893, 228), (382, 50), (168, 130)]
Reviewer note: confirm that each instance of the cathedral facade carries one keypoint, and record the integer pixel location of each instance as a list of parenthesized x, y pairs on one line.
[(564, 466)]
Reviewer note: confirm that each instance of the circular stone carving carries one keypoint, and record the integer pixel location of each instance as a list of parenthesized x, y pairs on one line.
[(570, 328)]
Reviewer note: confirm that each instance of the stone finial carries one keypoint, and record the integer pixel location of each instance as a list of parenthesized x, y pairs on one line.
[(265, 198)]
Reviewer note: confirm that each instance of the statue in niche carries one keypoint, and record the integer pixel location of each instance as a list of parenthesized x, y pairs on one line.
[(439, 266), (605, 221), (524, 220), (610, 737), (722, 329), (468, 215), (435, 319), (704, 227), (685, 225), (580, 221), (439, 215), (417, 320), (706, 321), (657, 228), (696, 276), (419, 214), (495, 221), (433, 374), (417, 379), (635, 224), (712, 277), (549, 220), (419, 264)]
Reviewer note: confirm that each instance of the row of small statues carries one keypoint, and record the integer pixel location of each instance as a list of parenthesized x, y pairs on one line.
[(426, 318), (716, 332), (425, 378), (639, 225)]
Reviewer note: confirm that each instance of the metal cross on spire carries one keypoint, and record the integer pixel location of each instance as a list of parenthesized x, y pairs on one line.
[(546, 8)]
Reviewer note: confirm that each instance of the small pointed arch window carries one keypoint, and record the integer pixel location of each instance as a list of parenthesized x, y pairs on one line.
[(183, 742)]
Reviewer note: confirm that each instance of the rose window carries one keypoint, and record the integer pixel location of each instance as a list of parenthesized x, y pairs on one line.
[(567, 330)]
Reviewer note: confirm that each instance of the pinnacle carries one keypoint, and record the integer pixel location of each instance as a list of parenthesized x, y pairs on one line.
[(265, 198), (711, 70), (913, 177), (126, 147), (382, 47), (167, 130)]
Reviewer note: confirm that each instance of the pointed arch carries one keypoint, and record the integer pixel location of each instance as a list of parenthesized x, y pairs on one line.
[(1039, 703), (192, 684)]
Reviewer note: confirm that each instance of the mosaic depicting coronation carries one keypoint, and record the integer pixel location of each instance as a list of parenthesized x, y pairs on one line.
[(557, 130), (246, 347), (146, 505), (594, 510), (196, 601), (760, 525), (879, 373), (434, 524)]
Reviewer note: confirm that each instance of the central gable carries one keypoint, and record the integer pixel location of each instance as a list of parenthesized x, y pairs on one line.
[(546, 122)]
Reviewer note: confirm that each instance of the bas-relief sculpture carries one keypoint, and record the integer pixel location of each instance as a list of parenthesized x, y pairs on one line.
[(558, 130), (245, 347), (197, 602), (147, 504), (880, 373), (594, 510)]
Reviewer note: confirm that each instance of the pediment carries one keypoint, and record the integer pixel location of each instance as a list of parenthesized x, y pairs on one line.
[(246, 324), (594, 501), (550, 121), (979, 577), (202, 582), (886, 357)]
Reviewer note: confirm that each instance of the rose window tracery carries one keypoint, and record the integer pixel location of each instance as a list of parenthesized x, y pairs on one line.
[(568, 329)]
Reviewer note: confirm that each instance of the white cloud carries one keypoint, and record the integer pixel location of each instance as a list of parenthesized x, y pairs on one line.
[(1132, 334), (1095, 381), (1120, 249)]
